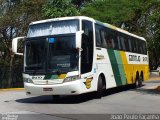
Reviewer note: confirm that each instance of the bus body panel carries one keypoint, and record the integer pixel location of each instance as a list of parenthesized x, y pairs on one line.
[(103, 64), (119, 68)]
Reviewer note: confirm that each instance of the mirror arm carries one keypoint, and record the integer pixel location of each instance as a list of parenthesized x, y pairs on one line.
[(14, 45)]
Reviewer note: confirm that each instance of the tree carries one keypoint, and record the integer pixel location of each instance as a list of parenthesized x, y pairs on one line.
[(59, 8), (112, 11), (152, 14), (14, 20), (141, 17), (80, 3)]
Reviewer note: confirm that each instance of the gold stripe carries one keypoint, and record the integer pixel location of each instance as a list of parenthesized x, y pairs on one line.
[(62, 76), (131, 69), (8, 89)]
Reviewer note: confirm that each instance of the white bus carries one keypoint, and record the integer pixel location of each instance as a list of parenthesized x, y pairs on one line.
[(76, 55)]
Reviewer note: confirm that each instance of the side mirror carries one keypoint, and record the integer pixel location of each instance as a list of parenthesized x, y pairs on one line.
[(79, 39), (15, 45)]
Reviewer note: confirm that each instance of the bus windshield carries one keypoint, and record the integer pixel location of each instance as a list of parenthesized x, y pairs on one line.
[(51, 54), (53, 28), (62, 54), (35, 55)]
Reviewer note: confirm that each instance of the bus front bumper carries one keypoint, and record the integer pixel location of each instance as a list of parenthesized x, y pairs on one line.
[(68, 88)]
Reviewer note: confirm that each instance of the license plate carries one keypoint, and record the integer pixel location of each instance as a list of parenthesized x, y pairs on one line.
[(47, 89)]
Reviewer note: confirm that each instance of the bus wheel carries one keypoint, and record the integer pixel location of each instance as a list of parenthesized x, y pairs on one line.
[(99, 88), (138, 82)]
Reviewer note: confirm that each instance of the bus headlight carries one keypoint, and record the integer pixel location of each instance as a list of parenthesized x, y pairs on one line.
[(71, 78), (27, 80)]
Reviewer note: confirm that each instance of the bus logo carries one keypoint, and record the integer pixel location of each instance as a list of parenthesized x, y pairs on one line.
[(88, 82), (100, 57)]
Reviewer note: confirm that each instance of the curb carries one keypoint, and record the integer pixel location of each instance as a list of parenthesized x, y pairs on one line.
[(10, 89), (154, 78), (158, 88)]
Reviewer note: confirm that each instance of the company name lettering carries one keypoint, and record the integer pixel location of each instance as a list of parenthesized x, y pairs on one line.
[(134, 58), (137, 58)]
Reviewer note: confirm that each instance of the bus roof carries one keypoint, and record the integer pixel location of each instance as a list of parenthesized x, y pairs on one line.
[(61, 18), (90, 19)]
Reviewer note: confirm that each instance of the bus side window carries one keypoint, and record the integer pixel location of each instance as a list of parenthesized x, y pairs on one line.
[(119, 42), (133, 45), (137, 46), (122, 39), (140, 42), (130, 45), (109, 37), (98, 37), (109, 41), (126, 43), (116, 44), (144, 47), (103, 34)]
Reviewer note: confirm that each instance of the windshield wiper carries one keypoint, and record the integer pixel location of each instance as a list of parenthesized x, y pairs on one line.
[(58, 72)]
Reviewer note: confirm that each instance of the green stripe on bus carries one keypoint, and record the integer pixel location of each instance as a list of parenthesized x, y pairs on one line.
[(51, 77), (114, 65), (120, 67)]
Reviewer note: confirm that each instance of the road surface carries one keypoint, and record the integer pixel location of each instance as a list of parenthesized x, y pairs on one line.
[(126, 100)]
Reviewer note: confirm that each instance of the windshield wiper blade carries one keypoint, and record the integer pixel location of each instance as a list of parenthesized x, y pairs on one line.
[(59, 72)]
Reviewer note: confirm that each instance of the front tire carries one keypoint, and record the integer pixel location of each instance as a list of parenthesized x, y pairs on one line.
[(99, 88)]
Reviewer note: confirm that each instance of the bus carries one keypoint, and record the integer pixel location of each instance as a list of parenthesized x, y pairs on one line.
[(76, 55)]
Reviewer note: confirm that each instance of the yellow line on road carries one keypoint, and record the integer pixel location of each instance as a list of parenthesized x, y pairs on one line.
[(8, 89)]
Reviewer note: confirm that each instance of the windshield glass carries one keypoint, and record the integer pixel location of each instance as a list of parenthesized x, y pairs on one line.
[(62, 54), (35, 54), (53, 28), (51, 54)]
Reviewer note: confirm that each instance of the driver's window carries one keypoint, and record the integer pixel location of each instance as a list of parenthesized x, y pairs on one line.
[(87, 46)]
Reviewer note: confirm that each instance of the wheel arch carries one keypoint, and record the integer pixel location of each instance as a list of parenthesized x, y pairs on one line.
[(103, 79)]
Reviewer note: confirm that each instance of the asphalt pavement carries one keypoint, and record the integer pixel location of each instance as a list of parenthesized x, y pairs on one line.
[(123, 100)]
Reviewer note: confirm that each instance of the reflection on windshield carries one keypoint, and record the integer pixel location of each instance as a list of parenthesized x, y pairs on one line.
[(35, 52), (53, 28), (56, 54), (62, 57)]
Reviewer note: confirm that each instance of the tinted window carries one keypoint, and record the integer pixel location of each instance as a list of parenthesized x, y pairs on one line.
[(144, 48), (122, 42), (137, 46), (111, 40), (98, 36), (106, 37), (130, 45), (103, 33), (133, 42), (126, 43), (87, 46)]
